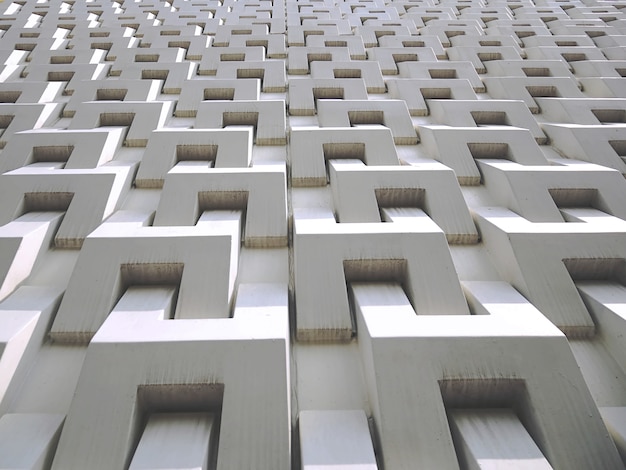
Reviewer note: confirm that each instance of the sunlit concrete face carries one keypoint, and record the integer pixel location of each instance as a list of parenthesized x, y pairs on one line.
[(312, 235)]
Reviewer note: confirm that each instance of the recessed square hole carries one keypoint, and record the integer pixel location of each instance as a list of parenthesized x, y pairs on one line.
[(249, 118), (146, 57), (188, 152), (154, 74), (60, 76), (347, 73), (442, 73), (47, 202), (9, 96), (400, 197), (320, 57), (487, 56), (573, 57), (397, 58), (543, 91), (328, 93), (436, 93), (62, 59), (336, 43), (366, 117), (536, 71), (219, 94), (344, 151), (490, 150), (251, 73), (574, 197), (111, 94), (116, 119), (233, 57), (610, 115), (490, 118), (5, 121), (52, 153), (597, 269)]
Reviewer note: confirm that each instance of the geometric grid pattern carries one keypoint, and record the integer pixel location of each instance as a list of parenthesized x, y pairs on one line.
[(312, 234)]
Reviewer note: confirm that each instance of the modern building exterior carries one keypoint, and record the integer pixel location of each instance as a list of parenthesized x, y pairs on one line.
[(312, 234)]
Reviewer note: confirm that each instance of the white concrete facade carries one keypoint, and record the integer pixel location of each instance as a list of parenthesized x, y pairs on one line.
[(312, 234)]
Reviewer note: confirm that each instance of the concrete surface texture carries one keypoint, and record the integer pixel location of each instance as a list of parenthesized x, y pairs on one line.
[(312, 234)]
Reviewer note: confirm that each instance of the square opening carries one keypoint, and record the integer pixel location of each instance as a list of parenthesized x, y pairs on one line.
[(490, 118), (111, 94), (151, 274), (490, 150), (543, 91), (233, 57), (574, 197), (9, 96), (154, 74), (60, 76), (619, 146), (46, 202), (196, 153), (219, 94), (597, 269), (436, 93), (347, 73), (328, 93), (116, 119), (487, 56), (536, 71), (442, 73), (178, 401), (52, 153), (610, 115), (400, 197), (398, 58), (319, 57), (366, 117)]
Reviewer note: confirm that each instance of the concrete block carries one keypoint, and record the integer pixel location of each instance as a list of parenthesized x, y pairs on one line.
[(79, 149), (259, 192), (304, 93), (140, 255), (177, 356), (312, 147), (20, 117), (599, 144), (360, 193), (176, 440), (457, 380), (459, 147), (526, 89), (333, 255), (442, 70), (25, 317), (217, 148), (87, 196), (369, 72), (483, 113), (415, 92), (140, 117), (491, 438), (23, 242), (112, 90), (28, 441), (213, 57), (393, 114), (330, 439), (267, 118), (549, 285)]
